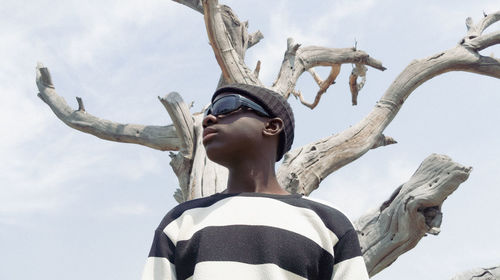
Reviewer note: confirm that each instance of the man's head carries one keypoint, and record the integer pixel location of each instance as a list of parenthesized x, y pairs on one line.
[(268, 106)]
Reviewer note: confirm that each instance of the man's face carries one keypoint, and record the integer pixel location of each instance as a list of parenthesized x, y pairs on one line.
[(234, 136)]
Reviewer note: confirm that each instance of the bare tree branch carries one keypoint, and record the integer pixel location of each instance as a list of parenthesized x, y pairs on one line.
[(475, 38), (228, 55), (475, 30), (256, 71), (323, 85), (383, 141), (358, 71), (182, 119), (81, 107), (254, 38), (162, 138), (411, 213), (484, 41), (197, 5), (299, 59), (304, 168), (490, 273)]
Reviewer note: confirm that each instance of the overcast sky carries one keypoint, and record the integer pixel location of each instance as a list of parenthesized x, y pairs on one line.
[(73, 206)]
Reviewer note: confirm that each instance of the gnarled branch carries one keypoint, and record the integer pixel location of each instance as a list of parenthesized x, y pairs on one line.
[(227, 52), (197, 5), (299, 59), (412, 212), (323, 85), (305, 167), (163, 138), (182, 119), (475, 30)]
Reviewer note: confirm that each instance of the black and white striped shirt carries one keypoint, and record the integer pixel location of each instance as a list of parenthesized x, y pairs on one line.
[(255, 236)]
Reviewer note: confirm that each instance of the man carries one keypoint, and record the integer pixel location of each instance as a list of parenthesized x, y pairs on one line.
[(254, 229)]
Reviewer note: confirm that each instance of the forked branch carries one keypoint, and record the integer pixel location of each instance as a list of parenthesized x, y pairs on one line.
[(163, 138), (299, 59), (229, 58), (197, 5), (476, 30)]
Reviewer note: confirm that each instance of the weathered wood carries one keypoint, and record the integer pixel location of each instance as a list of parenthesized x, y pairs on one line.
[(491, 273), (251, 39), (475, 30), (163, 138), (182, 119), (181, 162), (323, 85), (231, 63), (358, 71), (299, 59), (411, 213)]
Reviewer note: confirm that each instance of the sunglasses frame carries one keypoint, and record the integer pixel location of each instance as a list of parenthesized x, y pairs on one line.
[(238, 102)]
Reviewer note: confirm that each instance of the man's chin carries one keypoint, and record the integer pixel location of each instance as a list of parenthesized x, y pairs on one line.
[(218, 155)]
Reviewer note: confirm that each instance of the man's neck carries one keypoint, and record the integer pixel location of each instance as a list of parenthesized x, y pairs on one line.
[(259, 177)]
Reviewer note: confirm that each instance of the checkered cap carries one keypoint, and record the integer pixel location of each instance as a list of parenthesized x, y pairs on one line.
[(274, 104)]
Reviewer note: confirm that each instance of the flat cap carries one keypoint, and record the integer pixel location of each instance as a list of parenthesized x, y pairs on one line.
[(274, 104)]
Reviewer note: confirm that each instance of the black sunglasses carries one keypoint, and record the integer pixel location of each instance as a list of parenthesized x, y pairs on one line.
[(232, 102)]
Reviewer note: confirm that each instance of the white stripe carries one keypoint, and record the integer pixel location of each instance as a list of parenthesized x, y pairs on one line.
[(158, 269), (259, 211), (241, 271), (327, 203), (351, 269)]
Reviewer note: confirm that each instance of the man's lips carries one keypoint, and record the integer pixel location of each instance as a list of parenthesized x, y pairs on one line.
[(207, 132)]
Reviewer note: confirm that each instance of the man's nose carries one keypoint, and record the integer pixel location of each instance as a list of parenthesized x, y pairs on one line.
[(209, 120)]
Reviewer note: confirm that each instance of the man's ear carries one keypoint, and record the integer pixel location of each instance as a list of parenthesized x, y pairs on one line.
[(273, 126)]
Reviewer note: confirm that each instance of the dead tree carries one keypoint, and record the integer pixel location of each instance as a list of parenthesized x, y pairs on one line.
[(411, 212)]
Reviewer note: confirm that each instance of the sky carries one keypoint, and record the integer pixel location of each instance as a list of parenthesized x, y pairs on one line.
[(75, 206)]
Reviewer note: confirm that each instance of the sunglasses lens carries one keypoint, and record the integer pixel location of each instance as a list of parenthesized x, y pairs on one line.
[(224, 105), (207, 112)]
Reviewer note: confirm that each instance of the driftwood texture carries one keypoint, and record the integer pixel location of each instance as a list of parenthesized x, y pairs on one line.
[(492, 273), (412, 211), (396, 227)]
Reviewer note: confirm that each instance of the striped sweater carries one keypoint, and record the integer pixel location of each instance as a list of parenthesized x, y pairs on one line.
[(255, 236)]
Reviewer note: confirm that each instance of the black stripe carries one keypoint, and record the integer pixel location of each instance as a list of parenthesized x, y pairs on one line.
[(162, 247), (177, 211), (347, 247), (254, 245), (333, 219)]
